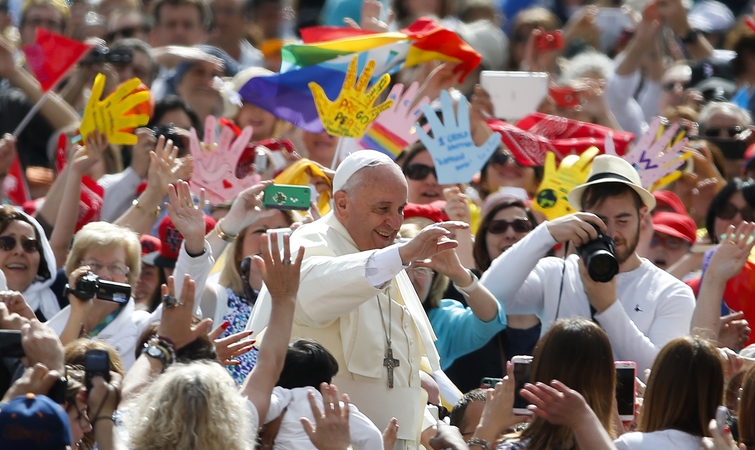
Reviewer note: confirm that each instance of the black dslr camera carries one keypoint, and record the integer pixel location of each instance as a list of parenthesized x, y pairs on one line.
[(169, 131), (100, 54), (599, 258), (90, 285)]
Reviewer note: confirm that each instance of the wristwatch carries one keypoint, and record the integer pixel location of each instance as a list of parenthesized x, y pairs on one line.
[(692, 36), (158, 349)]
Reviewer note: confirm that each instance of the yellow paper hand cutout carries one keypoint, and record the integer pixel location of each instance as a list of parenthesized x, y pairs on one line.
[(553, 196), (353, 111), (109, 115)]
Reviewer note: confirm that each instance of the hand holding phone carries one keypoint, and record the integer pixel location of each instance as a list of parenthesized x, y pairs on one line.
[(10, 344), (96, 363), (285, 196), (626, 390)]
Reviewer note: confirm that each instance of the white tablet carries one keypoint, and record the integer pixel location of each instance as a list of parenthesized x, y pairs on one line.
[(514, 94)]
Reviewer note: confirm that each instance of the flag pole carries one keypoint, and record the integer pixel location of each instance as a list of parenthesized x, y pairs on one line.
[(32, 112), (337, 155)]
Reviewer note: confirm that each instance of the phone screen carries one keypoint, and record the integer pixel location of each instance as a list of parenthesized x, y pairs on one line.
[(625, 390), (10, 344), (522, 376)]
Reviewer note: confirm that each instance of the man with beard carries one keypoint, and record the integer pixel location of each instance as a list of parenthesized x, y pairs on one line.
[(642, 308)]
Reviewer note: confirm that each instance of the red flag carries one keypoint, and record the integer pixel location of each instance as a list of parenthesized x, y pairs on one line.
[(51, 56), (313, 35), (14, 186)]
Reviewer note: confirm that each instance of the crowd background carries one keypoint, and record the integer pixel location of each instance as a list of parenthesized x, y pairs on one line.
[(679, 308)]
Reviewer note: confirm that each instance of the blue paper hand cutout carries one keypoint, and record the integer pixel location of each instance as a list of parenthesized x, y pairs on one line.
[(455, 155)]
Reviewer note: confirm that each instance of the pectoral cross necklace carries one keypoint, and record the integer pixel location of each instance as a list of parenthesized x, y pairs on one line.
[(389, 361)]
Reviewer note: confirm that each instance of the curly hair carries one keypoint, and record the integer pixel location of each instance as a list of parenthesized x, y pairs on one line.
[(192, 406)]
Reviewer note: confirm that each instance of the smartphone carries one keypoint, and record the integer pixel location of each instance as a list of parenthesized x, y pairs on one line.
[(286, 196), (626, 388), (522, 373), (564, 96), (10, 344), (514, 94), (550, 41), (58, 391), (721, 413), (260, 161), (489, 382), (96, 363)]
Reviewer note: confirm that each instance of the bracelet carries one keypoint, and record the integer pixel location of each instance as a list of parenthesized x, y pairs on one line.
[(479, 442), (110, 418), (167, 341), (472, 286), (156, 213), (222, 234)]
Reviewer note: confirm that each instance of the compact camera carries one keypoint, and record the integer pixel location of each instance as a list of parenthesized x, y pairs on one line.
[(90, 285), (599, 258), (101, 54), (169, 131)]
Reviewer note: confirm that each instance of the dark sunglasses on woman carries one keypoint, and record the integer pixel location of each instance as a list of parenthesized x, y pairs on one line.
[(728, 211), (731, 132), (418, 172), (500, 226), (29, 245), (501, 159)]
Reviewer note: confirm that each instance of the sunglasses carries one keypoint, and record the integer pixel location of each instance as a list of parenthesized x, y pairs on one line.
[(419, 172), (125, 33), (500, 226), (728, 211), (29, 245), (717, 131), (501, 159)]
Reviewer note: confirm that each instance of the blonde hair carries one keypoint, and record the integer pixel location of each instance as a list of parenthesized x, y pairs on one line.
[(60, 5), (234, 253), (106, 236), (192, 406)]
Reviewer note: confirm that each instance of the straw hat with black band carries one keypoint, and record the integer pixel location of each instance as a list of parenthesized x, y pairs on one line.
[(611, 169)]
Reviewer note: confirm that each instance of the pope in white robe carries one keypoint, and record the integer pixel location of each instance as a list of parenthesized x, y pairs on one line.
[(355, 298)]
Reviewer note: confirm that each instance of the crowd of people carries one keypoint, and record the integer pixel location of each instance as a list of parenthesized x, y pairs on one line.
[(138, 311)]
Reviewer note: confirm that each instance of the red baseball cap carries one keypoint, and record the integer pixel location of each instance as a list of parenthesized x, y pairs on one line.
[(150, 244), (171, 239), (676, 225), (667, 199)]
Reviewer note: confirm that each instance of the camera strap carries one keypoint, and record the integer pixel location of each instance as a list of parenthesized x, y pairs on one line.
[(593, 311), (105, 322)]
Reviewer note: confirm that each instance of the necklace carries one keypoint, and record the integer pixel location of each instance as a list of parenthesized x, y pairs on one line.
[(389, 361)]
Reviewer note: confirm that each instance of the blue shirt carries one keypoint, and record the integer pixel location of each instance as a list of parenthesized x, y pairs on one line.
[(459, 331)]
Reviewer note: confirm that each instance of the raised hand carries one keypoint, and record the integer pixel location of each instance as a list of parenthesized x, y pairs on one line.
[(187, 217), (552, 198), (42, 345), (246, 209), (654, 160), (556, 403), (162, 165), (110, 115), (392, 131), (7, 152), (215, 162), (90, 154), (331, 428), (352, 112), (498, 413), (177, 316), (281, 276), (731, 255), (16, 304), (37, 379), (454, 153)]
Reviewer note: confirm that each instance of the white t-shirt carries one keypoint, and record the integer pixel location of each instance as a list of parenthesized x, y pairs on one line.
[(666, 439), (653, 307), (291, 434)]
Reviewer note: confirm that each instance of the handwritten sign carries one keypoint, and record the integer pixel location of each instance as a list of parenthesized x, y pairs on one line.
[(393, 130), (353, 111), (216, 160), (552, 197), (455, 155), (657, 155), (113, 115)]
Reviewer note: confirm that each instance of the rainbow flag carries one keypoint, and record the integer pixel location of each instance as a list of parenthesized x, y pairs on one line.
[(383, 140), (287, 96)]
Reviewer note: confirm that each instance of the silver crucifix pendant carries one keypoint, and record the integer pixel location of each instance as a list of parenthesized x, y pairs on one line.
[(390, 363)]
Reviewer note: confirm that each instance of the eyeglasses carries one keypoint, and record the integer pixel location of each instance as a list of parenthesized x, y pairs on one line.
[(670, 243), (500, 226), (29, 245), (713, 132), (422, 273), (728, 211), (114, 269), (418, 172), (501, 159)]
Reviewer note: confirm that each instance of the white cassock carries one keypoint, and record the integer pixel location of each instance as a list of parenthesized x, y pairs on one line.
[(338, 307)]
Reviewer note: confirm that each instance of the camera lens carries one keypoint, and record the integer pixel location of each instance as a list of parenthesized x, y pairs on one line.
[(602, 266)]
